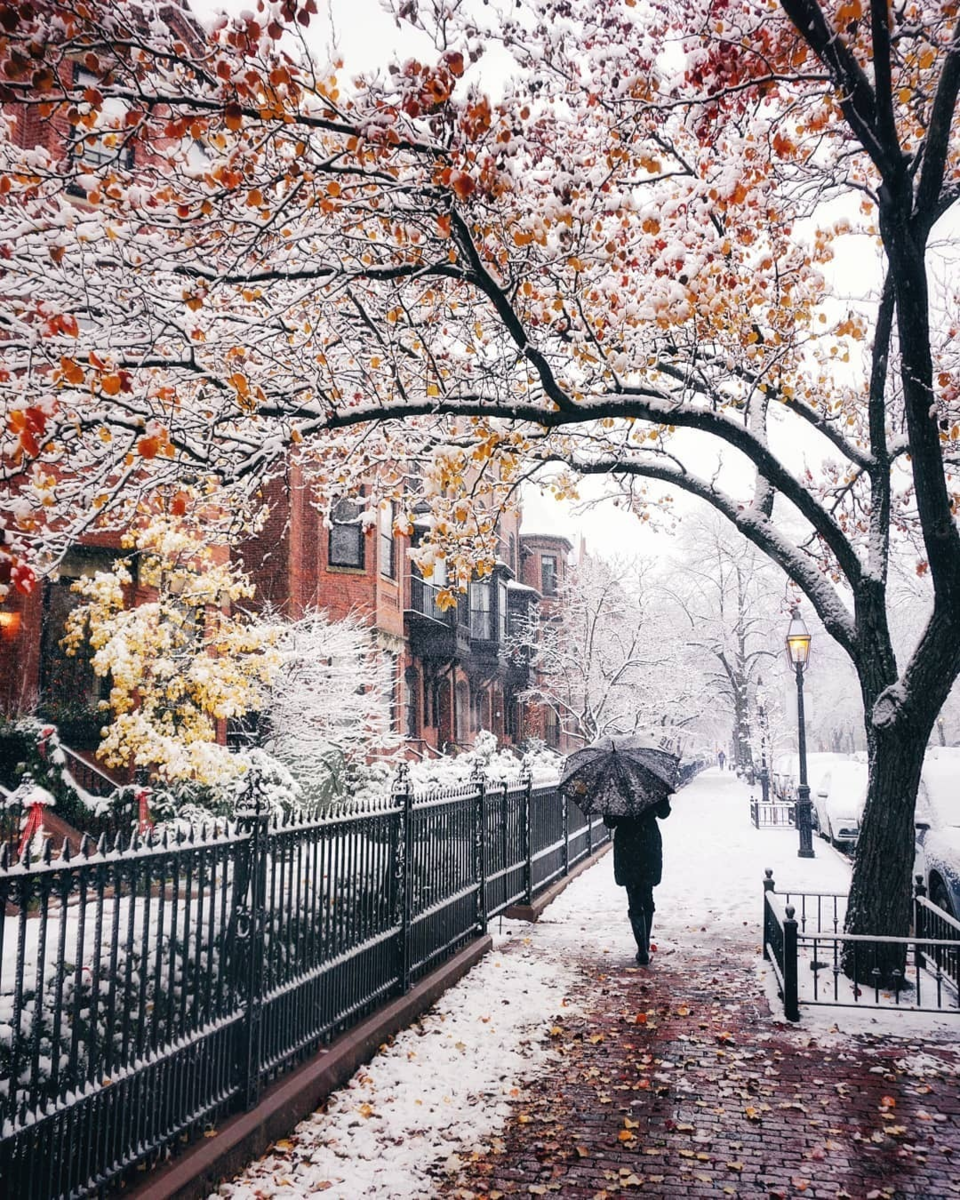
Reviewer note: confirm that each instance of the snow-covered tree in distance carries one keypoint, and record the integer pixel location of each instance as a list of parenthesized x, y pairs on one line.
[(329, 710), (604, 268), (603, 659), (729, 598)]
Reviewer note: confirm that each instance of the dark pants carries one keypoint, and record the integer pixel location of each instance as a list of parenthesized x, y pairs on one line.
[(641, 909)]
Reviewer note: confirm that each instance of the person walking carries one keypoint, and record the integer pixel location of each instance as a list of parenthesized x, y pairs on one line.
[(721, 758), (638, 867)]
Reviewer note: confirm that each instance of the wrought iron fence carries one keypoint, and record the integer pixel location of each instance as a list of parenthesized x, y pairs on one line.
[(150, 987), (772, 814), (815, 962)]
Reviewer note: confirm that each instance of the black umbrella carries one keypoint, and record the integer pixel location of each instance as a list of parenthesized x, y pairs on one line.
[(620, 776)]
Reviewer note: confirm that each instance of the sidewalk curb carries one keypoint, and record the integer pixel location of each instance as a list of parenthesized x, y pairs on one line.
[(534, 910), (244, 1137)]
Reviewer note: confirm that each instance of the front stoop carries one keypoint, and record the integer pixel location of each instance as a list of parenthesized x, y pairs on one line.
[(534, 910), (198, 1171)]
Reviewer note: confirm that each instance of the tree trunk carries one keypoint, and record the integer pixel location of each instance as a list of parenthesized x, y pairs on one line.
[(880, 889)]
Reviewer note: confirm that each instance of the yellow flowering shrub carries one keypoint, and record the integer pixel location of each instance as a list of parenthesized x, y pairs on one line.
[(187, 656)]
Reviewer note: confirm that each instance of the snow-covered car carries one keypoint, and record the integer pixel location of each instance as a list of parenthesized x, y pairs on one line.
[(786, 772), (938, 827), (838, 800)]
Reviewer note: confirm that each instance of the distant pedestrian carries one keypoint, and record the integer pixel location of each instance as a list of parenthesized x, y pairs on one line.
[(638, 867), (721, 758)]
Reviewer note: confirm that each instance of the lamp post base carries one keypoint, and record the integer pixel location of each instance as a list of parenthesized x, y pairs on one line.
[(804, 822)]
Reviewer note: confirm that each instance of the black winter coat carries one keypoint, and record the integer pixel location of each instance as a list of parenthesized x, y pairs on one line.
[(638, 848)]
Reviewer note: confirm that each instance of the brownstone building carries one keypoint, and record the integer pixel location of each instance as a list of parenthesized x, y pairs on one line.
[(453, 671)]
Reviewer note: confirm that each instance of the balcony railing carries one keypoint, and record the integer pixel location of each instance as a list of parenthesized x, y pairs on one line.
[(423, 600)]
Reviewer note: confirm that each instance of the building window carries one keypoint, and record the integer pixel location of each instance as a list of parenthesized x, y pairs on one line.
[(548, 574), (512, 715), (551, 728), (411, 684), (463, 713), (346, 535), (95, 150), (481, 612), (393, 688), (513, 553), (388, 545)]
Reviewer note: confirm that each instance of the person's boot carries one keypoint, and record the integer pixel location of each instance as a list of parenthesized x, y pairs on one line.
[(640, 933)]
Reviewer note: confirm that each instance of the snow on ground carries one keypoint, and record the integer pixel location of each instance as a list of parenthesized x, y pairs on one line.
[(441, 1088)]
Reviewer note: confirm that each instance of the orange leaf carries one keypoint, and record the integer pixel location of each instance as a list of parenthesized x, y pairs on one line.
[(111, 384), (463, 185), (72, 371), (148, 447), (233, 117)]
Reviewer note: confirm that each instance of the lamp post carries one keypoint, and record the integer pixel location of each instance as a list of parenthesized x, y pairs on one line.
[(762, 719), (798, 652)]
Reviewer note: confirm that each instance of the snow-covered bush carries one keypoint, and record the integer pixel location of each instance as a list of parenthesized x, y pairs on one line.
[(329, 709), (494, 763)]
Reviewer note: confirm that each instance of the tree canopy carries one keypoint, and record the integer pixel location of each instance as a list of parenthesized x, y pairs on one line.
[(224, 252)]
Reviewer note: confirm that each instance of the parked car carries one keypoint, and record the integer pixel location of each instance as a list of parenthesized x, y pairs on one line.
[(786, 772), (838, 800), (938, 827)]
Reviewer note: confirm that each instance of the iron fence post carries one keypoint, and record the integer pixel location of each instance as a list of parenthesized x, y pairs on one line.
[(768, 886), (527, 780), (402, 875), (479, 846), (919, 920), (566, 836), (791, 1007), (250, 890)]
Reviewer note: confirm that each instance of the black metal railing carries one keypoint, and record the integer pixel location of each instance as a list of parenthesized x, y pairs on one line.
[(815, 962), (772, 814), (149, 987)]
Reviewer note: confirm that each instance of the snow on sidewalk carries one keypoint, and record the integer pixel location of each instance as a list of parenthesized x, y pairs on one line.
[(441, 1089), (444, 1088)]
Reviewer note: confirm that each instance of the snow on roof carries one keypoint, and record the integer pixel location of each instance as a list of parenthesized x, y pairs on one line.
[(513, 586)]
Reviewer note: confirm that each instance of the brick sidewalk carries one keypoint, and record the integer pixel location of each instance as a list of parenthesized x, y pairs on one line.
[(678, 1081)]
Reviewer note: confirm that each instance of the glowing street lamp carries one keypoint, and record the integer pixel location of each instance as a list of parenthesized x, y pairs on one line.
[(798, 652)]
